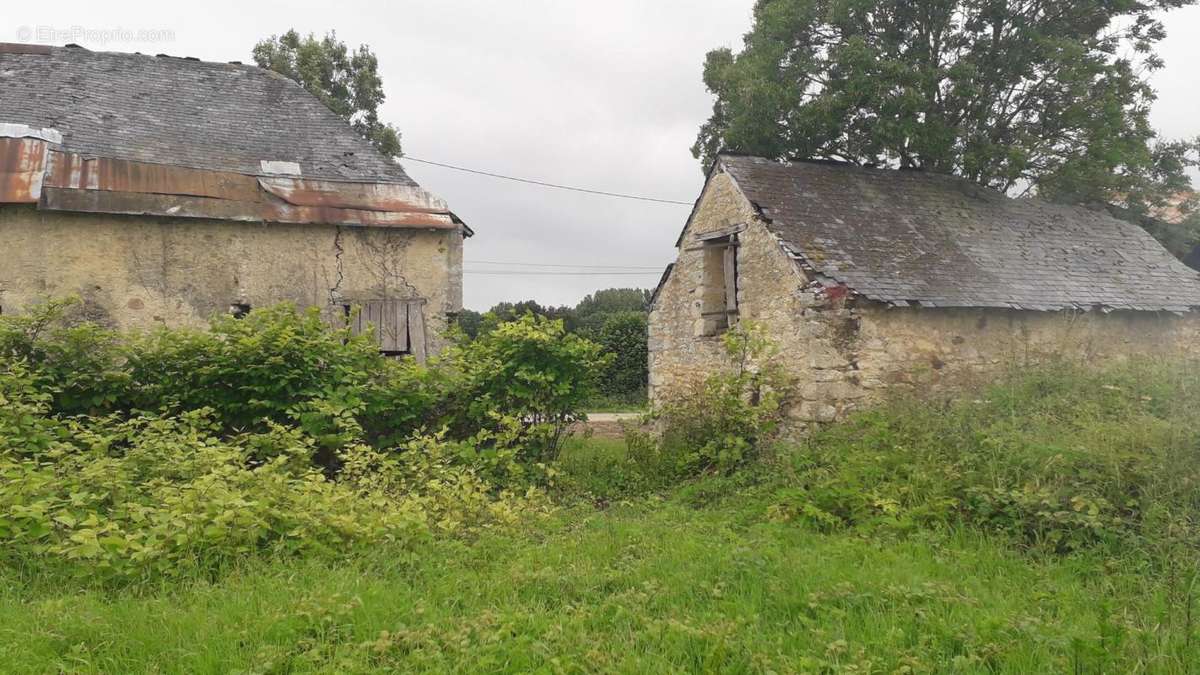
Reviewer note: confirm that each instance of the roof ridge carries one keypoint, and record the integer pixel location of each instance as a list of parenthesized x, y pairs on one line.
[(75, 48)]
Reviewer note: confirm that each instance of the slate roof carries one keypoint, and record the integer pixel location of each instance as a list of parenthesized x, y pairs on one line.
[(184, 112), (913, 238)]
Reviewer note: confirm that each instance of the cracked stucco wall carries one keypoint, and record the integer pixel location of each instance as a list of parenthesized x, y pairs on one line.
[(848, 353), (139, 272)]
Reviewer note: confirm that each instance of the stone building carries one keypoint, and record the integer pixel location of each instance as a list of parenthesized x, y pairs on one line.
[(164, 190), (872, 279)]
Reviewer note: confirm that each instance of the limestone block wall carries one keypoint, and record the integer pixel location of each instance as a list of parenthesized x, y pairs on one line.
[(679, 352), (844, 353), (139, 272)]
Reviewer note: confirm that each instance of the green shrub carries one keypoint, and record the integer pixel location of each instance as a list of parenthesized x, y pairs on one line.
[(722, 423), (183, 450), (112, 499), (515, 391), (623, 335), (1060, 458), (530, 370), (80, 364), (252, 370)]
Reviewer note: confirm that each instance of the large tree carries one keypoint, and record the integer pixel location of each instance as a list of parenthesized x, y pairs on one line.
[(1045, 96), (348, 82)]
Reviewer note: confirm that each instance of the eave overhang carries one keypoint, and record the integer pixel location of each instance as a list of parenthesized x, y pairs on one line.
[(36, 169)]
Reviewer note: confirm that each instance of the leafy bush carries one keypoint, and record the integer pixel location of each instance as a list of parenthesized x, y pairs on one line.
[(1061, 458), (126, 499), (623, 335), (720, 424), (277, 366), (250, 371), (530, 371), (79, 364), (181, 450)]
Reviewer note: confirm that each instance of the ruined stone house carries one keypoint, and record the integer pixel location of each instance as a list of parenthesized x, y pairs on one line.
[(164, 190), (869, 280)]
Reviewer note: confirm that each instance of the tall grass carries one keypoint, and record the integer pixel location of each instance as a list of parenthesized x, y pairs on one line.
[(1042, 523)]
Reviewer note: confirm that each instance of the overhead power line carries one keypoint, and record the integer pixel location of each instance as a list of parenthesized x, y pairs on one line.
[(516, 273), (556, 186), (589, 267)]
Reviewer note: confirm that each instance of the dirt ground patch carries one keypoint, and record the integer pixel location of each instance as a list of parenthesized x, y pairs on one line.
[(608, 425)]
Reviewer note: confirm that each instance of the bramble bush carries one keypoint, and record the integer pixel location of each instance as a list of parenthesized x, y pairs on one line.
[(132, 456)]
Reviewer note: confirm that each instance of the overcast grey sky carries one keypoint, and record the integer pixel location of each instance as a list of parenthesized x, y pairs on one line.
[(604, 95)]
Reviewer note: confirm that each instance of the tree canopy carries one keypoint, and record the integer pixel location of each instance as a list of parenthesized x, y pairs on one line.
[(347, 82), (1017, 95)]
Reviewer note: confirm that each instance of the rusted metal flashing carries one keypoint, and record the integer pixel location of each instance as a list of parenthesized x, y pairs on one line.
[(365, 196), (22, 169), (71, 170), (184, 206), (31, 172)]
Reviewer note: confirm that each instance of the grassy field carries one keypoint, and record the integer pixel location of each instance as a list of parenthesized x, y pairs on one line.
[(697, 580), (1044, 524)]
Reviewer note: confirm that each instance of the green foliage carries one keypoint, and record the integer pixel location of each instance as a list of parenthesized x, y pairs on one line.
[(184, 451), (148, 497), (1180, 236), (505, 312), (1050, 96), (253, 370), (614, 318), (1059, 459), (519, 386), (646, 586), (79, 364), (623, 335), (469, 322), (532, 371), (594, 310), (151, 496), (722, 423), (347, 82)]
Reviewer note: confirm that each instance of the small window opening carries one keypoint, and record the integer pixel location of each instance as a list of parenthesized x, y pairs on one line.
[(719, 302), (239, 310)]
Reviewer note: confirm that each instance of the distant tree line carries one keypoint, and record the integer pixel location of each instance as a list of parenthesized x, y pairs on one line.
[(614, 318)]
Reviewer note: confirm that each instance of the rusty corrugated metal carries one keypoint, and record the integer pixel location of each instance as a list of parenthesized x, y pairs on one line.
[(22, 168), (65, 181), (276, 211), (71, 170), (365, 196)]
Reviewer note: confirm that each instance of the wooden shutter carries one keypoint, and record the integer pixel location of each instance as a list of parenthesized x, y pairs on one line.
[(731, 301), (416, 330), (397, 326)]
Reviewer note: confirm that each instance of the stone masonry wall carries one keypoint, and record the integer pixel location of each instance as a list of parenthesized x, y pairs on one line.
[(845, 353), (139, 272)]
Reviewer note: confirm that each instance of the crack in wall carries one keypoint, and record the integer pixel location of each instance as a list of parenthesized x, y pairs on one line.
[(335, 293)]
